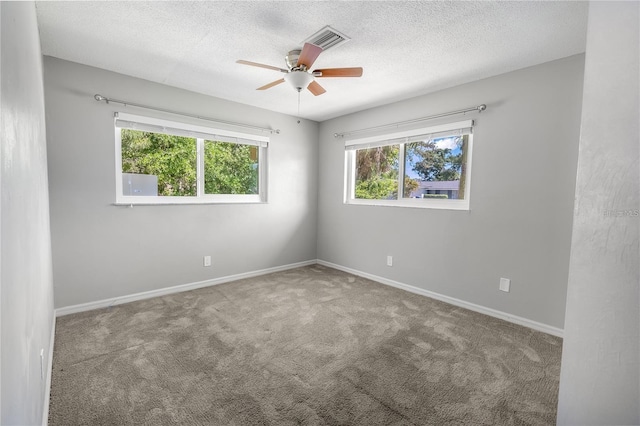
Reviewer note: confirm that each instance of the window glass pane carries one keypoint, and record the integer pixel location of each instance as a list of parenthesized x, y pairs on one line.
[(158, 164), (377, 173), (230, 168), (436, 169)]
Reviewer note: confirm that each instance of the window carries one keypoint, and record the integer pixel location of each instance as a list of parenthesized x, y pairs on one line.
[(165, 162), (427, 167)]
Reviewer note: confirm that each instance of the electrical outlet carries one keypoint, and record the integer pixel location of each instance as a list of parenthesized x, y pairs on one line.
[(207, 261), (505, 284), (389, 260)]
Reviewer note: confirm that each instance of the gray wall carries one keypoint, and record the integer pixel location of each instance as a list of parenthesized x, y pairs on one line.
[(599, 382), (103, 251), (26, 281), (522, 186)]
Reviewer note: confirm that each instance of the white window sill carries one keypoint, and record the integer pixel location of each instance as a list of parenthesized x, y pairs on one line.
[(193, 203), (163, 201), (414, 203)]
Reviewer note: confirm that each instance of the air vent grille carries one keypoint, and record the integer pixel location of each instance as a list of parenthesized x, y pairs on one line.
[(327, 38)]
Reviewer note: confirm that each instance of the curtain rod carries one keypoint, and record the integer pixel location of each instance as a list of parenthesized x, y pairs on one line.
[(479, 108), (100, 98)]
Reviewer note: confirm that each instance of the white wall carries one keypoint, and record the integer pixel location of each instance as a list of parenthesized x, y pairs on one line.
[(26, 279), (600, 380), (102, 251), (522, 186)]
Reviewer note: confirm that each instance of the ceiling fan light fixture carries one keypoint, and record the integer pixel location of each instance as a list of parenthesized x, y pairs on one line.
[(298, 79)]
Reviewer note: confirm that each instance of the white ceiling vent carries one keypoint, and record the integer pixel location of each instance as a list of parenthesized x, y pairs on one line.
[(327, 38)]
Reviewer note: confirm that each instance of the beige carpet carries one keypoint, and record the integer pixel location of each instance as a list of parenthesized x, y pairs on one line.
[(309, 346)]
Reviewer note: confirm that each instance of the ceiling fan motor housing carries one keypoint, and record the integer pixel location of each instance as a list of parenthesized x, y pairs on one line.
[(292, 58)]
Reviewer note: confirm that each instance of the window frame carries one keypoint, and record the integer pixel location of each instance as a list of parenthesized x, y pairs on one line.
[(396, 138), (200, 134)]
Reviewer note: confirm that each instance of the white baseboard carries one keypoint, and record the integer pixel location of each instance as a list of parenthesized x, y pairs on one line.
[(49, 373), (175, 289), (452, 300), (192, 286)]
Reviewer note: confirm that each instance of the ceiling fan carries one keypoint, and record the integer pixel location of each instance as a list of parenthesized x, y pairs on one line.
[(298, 72)]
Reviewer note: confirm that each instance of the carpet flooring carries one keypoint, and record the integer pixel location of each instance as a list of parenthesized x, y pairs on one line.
[(307, 346)]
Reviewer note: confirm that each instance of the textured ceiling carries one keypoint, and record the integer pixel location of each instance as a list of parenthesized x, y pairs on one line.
[(406, 48)]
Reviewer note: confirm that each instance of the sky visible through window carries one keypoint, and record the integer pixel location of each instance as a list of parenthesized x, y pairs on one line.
[(449, 142)]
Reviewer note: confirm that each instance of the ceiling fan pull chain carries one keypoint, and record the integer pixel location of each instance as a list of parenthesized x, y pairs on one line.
[(299, 102)]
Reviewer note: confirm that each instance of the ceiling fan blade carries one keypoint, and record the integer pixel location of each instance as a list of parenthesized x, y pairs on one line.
[(255, 64), (270, 85), (339, 72), (309, 54), (315, 88)]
